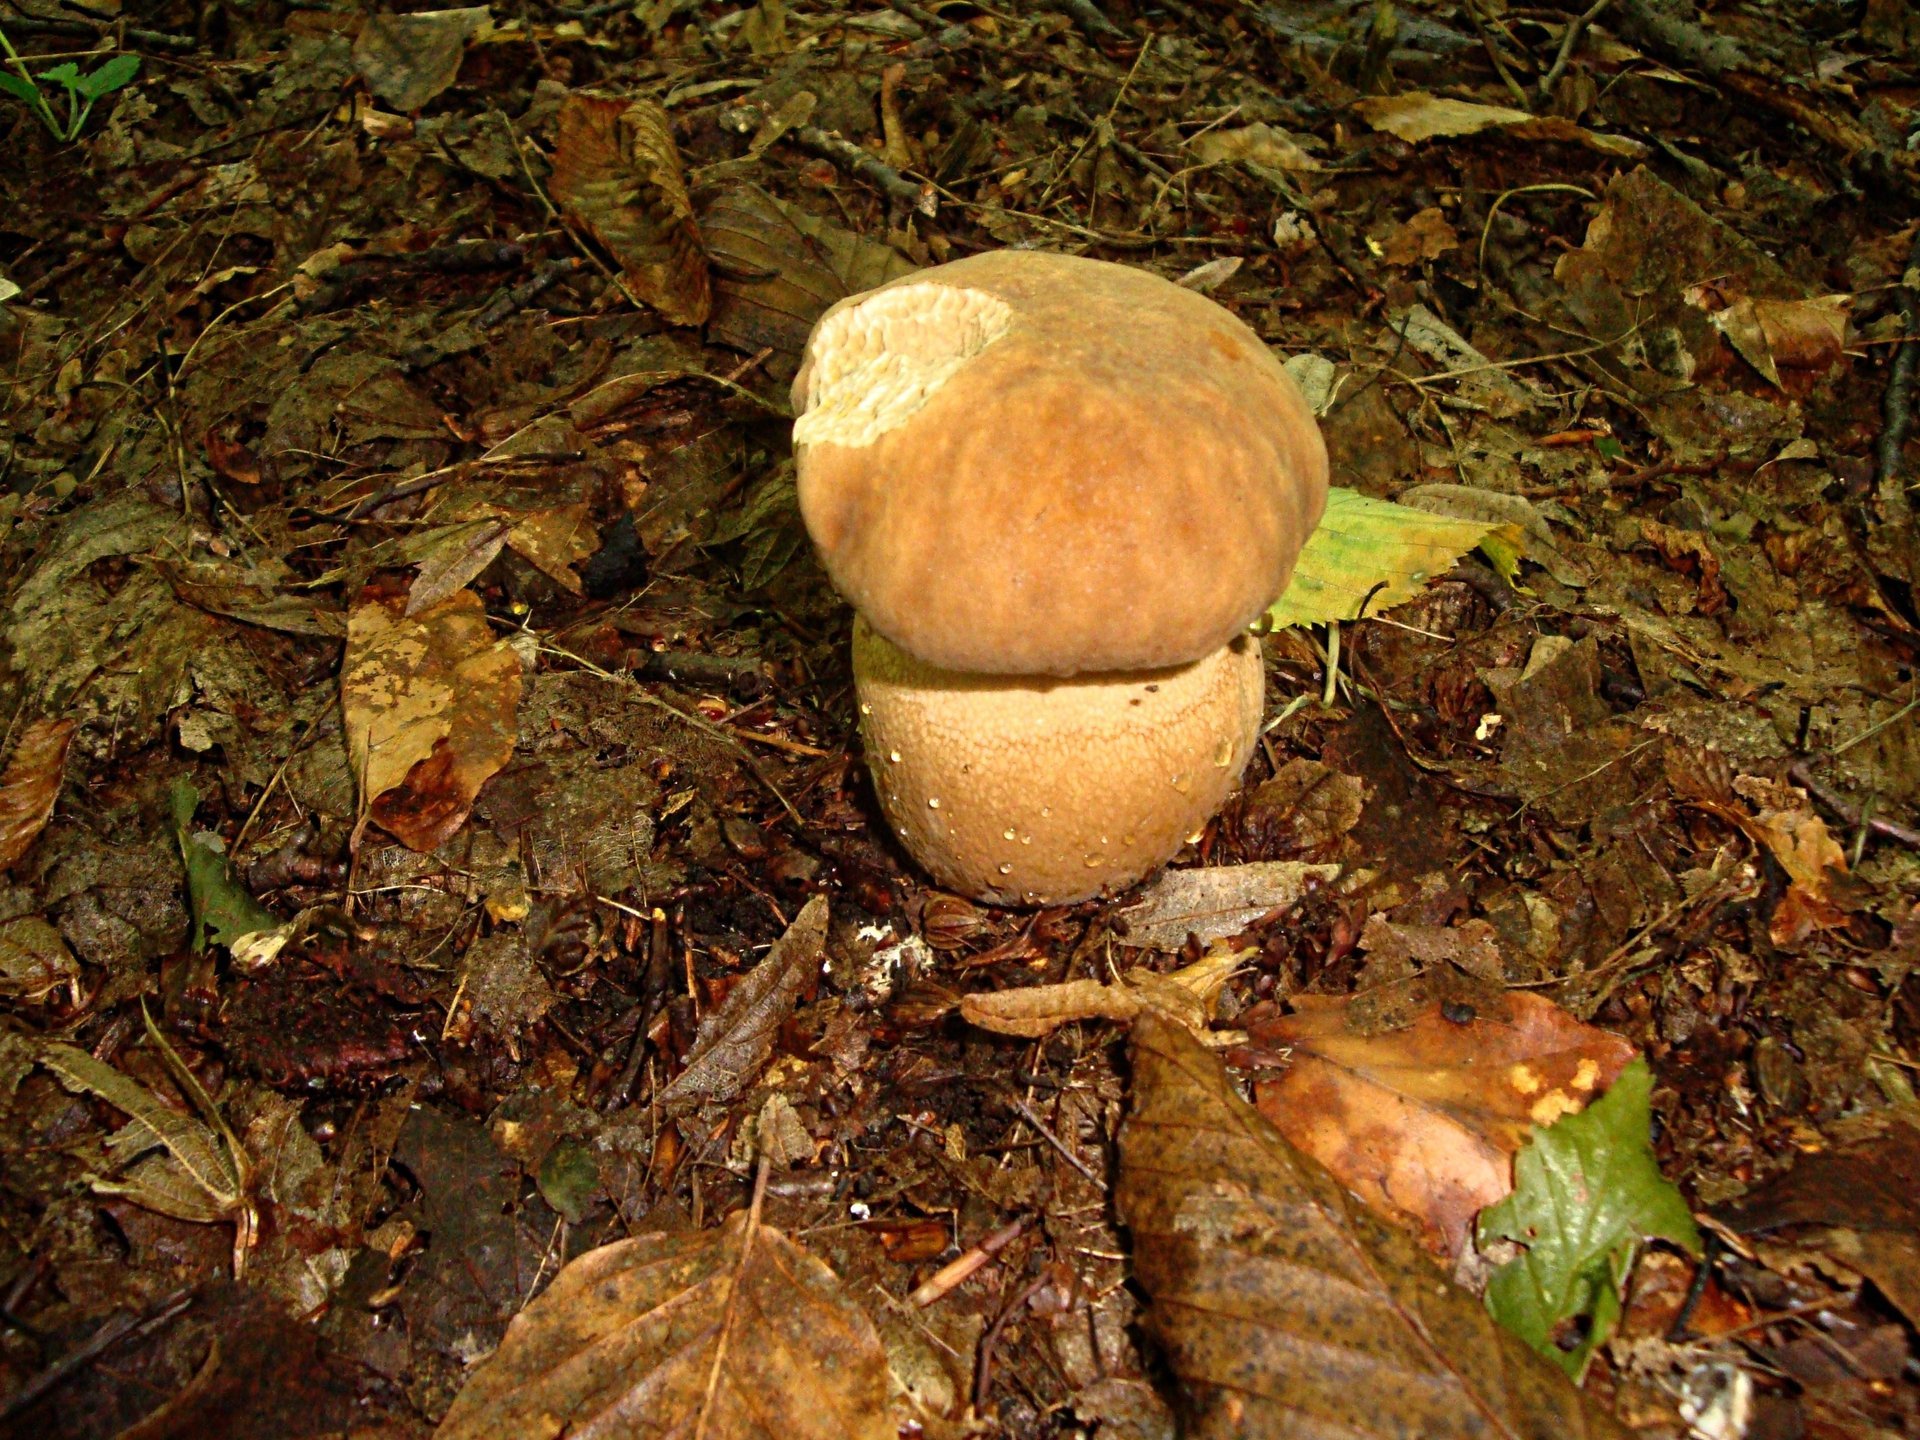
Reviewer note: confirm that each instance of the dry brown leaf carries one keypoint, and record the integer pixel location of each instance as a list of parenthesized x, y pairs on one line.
[(1772, 335), (408, 59), (1215, 903), (35, 961), (1257, 144), (1286, 1308), (30, 785), (617, 172), (1423, 236), (430, 702), (1785, 823), (1416, 116), (1422, 1123), (733, 1334), (1189, 995), (735, 1040)]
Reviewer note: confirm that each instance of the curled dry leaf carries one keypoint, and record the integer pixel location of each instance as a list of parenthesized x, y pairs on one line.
[(1772, 335), (30, 785), (1417, 116), (735, 1040), (728, 1333), (1783, 821), (1189, 995), (1422, 1123), (1283, 1306), (1217, 902), (430, 703), (617, 172)]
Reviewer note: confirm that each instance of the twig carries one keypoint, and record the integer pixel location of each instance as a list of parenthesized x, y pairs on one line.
[(1089, 18), (855, 161), (1492, 47), (116, 1329), (983, 1367), (944, 1280), (1896, 401), (1570, 42), (152, 39), (1803, 775), (1040, 1128)]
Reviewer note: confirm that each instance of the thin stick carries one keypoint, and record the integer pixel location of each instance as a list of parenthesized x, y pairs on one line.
[(1570, 42)]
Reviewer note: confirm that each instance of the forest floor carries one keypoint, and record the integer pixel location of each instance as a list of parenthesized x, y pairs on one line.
[(332, 336)]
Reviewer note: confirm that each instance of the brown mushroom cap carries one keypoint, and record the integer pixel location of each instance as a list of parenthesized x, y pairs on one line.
[(1030, 791), (1026, 463)]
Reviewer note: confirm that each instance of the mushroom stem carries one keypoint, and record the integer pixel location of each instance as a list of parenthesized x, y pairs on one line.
[(1024, 790)]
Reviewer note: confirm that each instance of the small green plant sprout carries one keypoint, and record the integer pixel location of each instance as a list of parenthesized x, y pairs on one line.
[(82, 90)]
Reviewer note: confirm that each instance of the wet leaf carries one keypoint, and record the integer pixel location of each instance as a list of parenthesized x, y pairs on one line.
[(1188, 995), (224, 910), (1282, 1305), (1796, 334), (1587, 1193), (1217, 902), (453, 557), (616, 171), (1423, 1122), (735, 1040), (30, 785), (730, 1333), (430, 703), (408, 59), (34, 960), (1779, 817), (1363, 543)]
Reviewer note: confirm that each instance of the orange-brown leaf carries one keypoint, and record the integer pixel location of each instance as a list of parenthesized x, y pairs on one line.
[(30, 786), (1422, 1123)]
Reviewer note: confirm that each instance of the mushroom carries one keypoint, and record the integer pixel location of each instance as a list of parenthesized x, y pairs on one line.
[(1057, 492)]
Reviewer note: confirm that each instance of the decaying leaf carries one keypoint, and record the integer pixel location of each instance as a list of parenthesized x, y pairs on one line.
[(223, 909), (1587, 1192), (1422, 1123), (430, 703), (735, 1039), (1375, 553), (193, 1170), (30, 785), (451, 558), (1189, 995), (1255, 145), (733, 1334), (1283, 1306), (617, 172), (1216, 902)]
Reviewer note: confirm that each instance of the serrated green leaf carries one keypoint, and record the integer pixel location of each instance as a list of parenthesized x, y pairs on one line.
[(67, 75), (1587, 1192), (108, 77), (222, 907), (19, 88), (1374, 548), (198, 1153)]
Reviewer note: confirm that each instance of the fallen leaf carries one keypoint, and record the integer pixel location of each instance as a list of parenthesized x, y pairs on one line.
[(429, 702), (1306, 806), (1687, 553), (1425, 235), (1422, 1123), (451, 557), (1537, 541), (1794, 334), (1861, 1202), (34, 960), (1375, 553), (1416, 116), (1282, 1305), (734, 1040), (406, 60), (1189, 995), (30, 785), (1481, 381), (616, 171), (1216, 902), (728, 1334), (1259, 144), (1784, 823), (1587, 1193)]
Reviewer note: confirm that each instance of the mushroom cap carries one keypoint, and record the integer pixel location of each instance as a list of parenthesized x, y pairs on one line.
[(1026, 463), (1023, 790)]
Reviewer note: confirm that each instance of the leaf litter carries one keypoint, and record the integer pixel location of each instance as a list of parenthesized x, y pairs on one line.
[(404, 312)]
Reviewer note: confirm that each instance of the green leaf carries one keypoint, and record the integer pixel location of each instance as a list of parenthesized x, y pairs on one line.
[(67, 75), (109, 77), (20, 89), (1363, 543), (1587, 1191), (222, 907)]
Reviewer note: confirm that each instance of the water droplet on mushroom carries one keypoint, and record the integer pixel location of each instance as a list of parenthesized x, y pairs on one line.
[(1007, 834), (866, 709), (1026, 839), (1045, 810), (1223, 757), (1006, 869), (1092, 861), (1182, 784), (933, 802), (893, 756)]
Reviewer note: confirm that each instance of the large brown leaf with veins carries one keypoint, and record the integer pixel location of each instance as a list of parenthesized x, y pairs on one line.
[(1284, 1306), (1423, 1122)]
